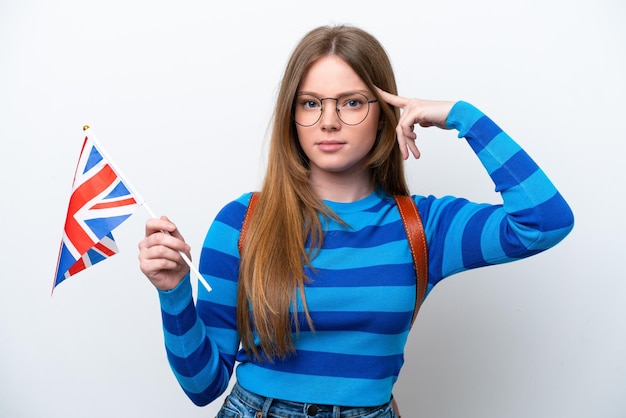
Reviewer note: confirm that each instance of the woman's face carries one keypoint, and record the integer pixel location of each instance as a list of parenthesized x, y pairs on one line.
[(332, 146)]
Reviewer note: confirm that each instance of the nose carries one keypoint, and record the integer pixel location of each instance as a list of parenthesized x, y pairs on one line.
[(329, 118)]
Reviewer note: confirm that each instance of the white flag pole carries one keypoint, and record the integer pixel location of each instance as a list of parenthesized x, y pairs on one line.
[(142, 201)]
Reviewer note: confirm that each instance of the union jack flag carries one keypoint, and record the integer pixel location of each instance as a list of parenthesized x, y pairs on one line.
[(99, 203)]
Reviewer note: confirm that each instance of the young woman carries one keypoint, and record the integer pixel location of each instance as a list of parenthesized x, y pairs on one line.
[(317, 307)]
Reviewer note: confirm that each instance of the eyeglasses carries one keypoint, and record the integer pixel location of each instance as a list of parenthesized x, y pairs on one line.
[(352, 108)]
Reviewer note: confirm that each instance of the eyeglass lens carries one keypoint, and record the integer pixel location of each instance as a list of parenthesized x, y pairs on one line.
[(352, 108)]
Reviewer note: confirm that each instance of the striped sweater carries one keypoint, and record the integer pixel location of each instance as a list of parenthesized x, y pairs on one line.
[(362, 290)]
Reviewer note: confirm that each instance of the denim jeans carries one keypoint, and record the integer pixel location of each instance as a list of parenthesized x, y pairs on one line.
[(244, 404)]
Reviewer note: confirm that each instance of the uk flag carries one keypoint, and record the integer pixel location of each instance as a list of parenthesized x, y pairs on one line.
[(98, 204)]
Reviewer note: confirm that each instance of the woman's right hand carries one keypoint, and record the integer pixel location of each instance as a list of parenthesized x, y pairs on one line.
[(159, 254)]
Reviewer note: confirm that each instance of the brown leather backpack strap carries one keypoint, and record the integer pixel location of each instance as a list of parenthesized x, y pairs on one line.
[(246, 220), (418, 245)]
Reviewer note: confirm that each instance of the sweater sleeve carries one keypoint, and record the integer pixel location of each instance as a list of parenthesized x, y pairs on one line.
[(532, 218), (201, 339)]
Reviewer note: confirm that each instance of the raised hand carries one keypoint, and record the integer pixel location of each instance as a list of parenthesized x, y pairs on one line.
[(416, 112)]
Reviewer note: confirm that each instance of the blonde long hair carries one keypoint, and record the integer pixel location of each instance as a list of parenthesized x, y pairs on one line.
[(288, 212)]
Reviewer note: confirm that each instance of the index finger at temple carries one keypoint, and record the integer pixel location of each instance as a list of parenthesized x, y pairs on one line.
[(392, 99)]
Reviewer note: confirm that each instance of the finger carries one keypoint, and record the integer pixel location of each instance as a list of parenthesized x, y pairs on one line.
[(403, 147), (166, 239), (156, 258), (158, 225), (414, 150), (162, 252), (150, 264), (392, 99), (406, 126), (172, 229), (403, 142), (160, 267), (153, 259), (163, 224)]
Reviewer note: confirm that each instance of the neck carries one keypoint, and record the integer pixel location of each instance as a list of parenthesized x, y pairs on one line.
[(341, 187)]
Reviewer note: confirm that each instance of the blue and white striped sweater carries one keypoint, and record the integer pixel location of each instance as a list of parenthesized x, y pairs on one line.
[(362, 293)]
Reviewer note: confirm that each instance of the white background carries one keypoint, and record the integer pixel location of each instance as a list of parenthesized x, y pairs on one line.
[(181, 94)]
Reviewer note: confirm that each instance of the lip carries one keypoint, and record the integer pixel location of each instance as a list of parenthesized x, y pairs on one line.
[(329, 146)]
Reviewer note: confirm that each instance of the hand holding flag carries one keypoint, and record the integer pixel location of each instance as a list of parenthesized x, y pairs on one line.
[(101, 200)]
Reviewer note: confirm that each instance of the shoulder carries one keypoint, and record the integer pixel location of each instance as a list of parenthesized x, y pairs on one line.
[(233, 212)]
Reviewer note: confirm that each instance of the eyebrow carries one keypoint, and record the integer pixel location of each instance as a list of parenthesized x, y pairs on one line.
[(364, 92)]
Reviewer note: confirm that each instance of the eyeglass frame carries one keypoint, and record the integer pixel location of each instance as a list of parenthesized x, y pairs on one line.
[(337, 110)]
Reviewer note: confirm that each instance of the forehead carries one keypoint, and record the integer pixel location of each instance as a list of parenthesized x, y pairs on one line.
[(331, 75)]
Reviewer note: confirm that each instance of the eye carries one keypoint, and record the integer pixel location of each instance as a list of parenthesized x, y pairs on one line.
[(311, 104), (352, 101), (306, 102)]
